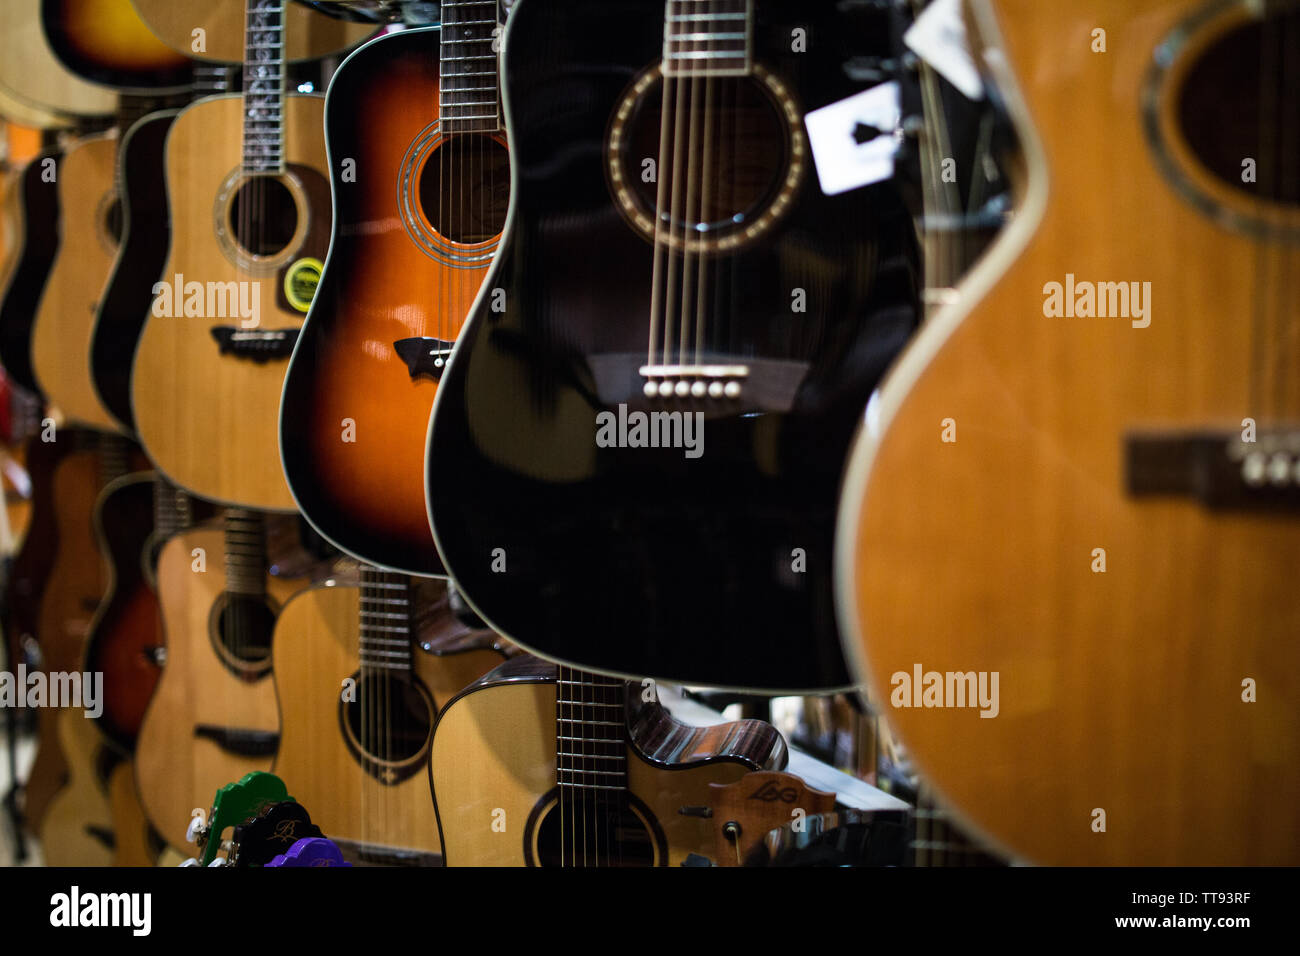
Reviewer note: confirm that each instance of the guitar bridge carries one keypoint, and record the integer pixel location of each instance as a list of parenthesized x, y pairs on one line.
[(240, 741), (258, 345), (424, 356), (1219, 470)]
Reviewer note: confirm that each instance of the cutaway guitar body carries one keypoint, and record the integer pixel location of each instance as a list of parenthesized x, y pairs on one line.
[(90, 229), (206, 381), (413, 237), (1114, 532), (213, 715), (359, 759), (509, 794)]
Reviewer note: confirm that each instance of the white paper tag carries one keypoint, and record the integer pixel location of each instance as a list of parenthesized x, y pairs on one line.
[(854, 141), (939, 37)]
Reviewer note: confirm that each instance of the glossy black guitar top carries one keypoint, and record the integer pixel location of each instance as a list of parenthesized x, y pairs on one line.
[(687, 268)]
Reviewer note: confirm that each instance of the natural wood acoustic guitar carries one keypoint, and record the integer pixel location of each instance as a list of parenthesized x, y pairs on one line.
[(1083, 478)]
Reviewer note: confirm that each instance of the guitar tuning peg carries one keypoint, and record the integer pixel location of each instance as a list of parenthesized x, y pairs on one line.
[(195, 830), (190, 862), (219, 861)]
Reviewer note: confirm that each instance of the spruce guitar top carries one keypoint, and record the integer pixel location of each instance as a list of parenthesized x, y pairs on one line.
[(1069, 527), (250, 226)]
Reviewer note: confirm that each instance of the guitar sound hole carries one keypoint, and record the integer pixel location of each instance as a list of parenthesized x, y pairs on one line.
[(465, 188), (1236, 103), (726, 159), (599, 833), (243, 630), (263, 216), (390, 718)]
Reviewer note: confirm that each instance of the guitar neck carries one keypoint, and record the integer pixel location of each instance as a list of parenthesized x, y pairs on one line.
[(245, 552), (172, 509), (264, 87), (469, 90), (708, 37), (385, 631), (590, 727)]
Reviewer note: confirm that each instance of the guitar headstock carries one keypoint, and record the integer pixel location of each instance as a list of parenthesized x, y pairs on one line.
[(234, 804)]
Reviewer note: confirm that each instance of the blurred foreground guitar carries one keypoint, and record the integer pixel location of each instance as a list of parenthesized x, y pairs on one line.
[(1071, 523)]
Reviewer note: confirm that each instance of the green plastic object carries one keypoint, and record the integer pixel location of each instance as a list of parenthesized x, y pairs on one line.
[(237, 802)]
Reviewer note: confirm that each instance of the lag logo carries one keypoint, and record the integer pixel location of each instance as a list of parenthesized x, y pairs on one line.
[(770, 793)]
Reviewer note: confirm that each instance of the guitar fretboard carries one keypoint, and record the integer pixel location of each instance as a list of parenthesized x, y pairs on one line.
[(590, 722), (245, 552), (264, 87), (385, 622), (172, 510), (468, 91), (708, 37)]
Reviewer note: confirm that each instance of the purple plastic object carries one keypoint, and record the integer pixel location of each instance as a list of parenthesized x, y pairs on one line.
[(311, 851)]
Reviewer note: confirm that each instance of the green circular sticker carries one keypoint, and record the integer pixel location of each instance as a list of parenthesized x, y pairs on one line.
[(300, 281)]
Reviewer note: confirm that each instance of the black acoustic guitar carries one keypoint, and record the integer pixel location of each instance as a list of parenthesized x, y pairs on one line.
[(672, 274)]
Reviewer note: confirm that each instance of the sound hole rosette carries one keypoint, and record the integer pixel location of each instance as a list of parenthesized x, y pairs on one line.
[(230, 247), (458, 255), (543, 816), (249, 667), (1173, 64), (642, 216), (388, 771)]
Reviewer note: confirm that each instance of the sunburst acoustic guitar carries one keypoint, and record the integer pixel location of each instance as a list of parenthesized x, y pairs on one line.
[(418, 213), (1083, 479)]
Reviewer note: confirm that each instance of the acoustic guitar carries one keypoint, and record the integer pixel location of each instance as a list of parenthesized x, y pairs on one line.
[(136, 515), (249, 195), (213, 715), (635, 452), (37, 209), (417, 218), (128, 295), (309, 35), (538, 765), (1081, 479), (32, 76), (90, 227), (106, 42), (361, 673), (76, 584)]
